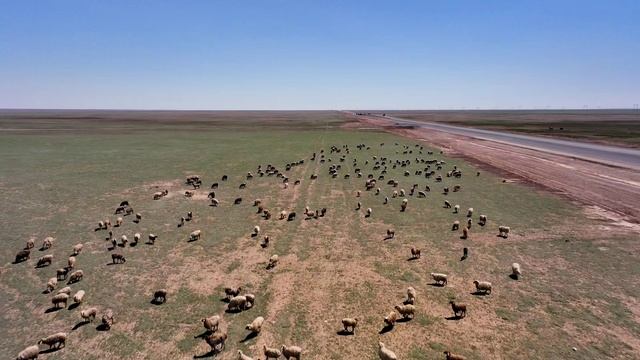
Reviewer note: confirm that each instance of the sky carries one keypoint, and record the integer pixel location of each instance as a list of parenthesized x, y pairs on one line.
[(303, 54)]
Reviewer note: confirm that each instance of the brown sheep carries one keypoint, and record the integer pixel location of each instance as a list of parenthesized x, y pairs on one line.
[(459, 310)]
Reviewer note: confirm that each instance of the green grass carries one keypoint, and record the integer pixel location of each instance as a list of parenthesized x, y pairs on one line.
[(61, 183)]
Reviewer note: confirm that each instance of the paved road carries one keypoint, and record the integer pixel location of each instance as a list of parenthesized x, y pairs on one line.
[(612, 155)]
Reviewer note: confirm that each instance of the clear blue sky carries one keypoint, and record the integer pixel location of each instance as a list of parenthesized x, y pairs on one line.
[(302, 54)]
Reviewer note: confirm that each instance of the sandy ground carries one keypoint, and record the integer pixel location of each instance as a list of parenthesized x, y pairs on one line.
[(609, 192)]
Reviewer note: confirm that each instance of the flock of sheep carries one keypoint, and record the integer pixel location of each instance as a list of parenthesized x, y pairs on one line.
[(215, 337)]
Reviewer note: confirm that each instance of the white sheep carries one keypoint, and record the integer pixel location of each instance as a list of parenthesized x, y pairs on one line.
[(256, 325), (483, 220), (470, 212), (29, 353), (407, 311), (78, 297), (65, 290), (291, 352), (483, 286), (71, 262), (515, 271), (385, 353), (439, 278), (411, 295), (242, 356), (89, 314), (271, 353), (77, 248), (195, 235), (237, 303), (256, 230), (273, 261), (456, 209), (504, 231), (369, 211), (51, 284), (211, 323)]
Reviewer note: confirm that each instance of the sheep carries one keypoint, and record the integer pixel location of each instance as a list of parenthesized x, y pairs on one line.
[(242, 356), (292, 216), (415, 253), (411, 295), (350, 323), (56, 340), (47, 243), (58, 299), (251, 299), (77, 248), (368, 213), (215, 202), (358, 193), (256, 325), (456, 209), (483, 220), (237, 303), (266, 214), (391, 233), (386, 201), (459, 310), (504, 231), (231, 292), (256, 230), (136, 238), (401, 193), (265, 241), (515, 271), (30, 244), (189, 193), (138, 218), (273, 261), (45, 260), (118, 222), (158, 195), (440, 279), (61, 274), (211, 323), (469, 222), (124, 240), (152, 238), (407, 311), (385, 353), (455, 226), (271, 353), (291, 352), (76, 276), (195, 235), (51, 284), (404, 204), (470, 212), (447, 204), (114, 243), (22, 255), (422, 194), (216, 341), (282, 215), (482, 287), (65, 290), (465, 233), (107, 319), (237, 201), (78, 297), (160, 296), (394, 194), (71, 262), (390, 319), (450, 356), (89, 314), (29, 353)]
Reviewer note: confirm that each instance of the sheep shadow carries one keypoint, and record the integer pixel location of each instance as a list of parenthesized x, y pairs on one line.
[(435, 284), (180, 225), (192, 240), (73, 306), (411, 258), (225, 300), (111, 248), (388, 238), (102, 327), (462, 237), (367, 216), (513, 277), (79, 325), (157, 302), (344, 332), (44, 292), (52, 309), (454, 317), (251, 335), (50, 350), (385, 329), (232, 311), (19, 261), (403, 320), (479, 293), (203, 335), (209, 354), (133, 244), (254, 235)]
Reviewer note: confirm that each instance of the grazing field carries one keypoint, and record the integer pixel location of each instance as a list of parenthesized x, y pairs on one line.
[(618, 127), (578, 287)]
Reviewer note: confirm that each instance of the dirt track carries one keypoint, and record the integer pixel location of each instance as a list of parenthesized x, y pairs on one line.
[(614, 191)]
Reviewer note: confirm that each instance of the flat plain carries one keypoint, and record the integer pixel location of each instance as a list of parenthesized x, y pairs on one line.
[(62, 172)]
